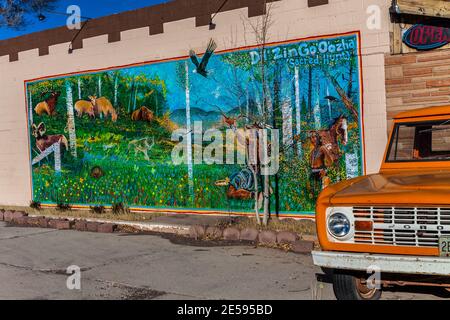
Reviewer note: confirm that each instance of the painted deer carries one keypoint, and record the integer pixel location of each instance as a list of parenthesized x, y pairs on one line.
[(44, 141), (48, 106), (84, 107), (103, 106)]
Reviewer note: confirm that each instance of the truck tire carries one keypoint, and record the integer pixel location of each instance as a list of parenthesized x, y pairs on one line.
[(350, 287)]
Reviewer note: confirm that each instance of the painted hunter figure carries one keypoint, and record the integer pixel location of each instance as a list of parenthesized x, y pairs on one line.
[(318, 169)]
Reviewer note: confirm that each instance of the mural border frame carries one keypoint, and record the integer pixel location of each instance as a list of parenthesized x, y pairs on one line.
[(303, 215)]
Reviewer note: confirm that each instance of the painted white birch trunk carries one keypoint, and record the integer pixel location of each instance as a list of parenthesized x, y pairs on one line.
[(71, 120), (316, 111), (56, 150), (329, 103), (352, 165), (188, 135), (116, 87), (99, 86), (298, 111), (57, 154), (30, 106), (79, 89), (286, 110), (247, 111)]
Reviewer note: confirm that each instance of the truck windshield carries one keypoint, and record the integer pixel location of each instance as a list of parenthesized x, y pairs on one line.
[(420, 141)]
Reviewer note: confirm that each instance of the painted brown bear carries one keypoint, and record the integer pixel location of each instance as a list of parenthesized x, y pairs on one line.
[(143, 114)]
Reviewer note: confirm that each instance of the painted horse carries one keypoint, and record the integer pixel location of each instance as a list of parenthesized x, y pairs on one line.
[(326, 150)]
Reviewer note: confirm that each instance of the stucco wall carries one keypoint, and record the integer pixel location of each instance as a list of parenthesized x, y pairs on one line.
[(292, 19)]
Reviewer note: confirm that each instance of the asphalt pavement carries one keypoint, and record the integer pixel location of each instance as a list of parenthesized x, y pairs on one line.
[(34, 264)]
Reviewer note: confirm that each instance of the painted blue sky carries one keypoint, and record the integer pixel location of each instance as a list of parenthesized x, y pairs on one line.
[(228, 88), (89, 8)]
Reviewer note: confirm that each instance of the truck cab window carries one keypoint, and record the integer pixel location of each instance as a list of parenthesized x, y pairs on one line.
[(423, 141)]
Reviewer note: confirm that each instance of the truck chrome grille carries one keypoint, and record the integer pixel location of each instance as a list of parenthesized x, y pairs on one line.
[(419, 227)]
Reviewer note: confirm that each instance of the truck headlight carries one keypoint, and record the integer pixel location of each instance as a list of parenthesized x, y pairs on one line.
[(340, 223)]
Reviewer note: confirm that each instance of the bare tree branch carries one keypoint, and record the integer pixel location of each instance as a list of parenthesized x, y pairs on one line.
[(13, 12)]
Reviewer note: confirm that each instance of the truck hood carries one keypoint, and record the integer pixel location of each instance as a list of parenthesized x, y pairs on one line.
[(405, 188)]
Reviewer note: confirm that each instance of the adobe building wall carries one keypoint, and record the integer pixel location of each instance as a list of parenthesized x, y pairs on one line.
[(292, 19)]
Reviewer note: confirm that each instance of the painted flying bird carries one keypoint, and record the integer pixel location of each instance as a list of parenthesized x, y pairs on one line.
[(230, 121), (331, 98), (201, 66)]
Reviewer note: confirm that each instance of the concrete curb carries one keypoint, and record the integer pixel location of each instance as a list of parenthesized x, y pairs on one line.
[(271, 238), (282, 239), (142, 226)]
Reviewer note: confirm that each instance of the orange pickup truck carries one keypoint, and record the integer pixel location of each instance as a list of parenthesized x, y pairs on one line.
[(393, 227)]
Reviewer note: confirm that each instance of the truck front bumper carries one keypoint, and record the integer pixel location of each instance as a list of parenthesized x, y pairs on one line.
[(383, 263)]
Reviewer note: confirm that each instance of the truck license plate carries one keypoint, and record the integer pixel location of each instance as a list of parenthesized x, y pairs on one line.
[(444, 246)]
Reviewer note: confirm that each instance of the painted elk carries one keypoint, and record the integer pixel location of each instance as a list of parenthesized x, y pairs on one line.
[(104, 107), (48, 106)]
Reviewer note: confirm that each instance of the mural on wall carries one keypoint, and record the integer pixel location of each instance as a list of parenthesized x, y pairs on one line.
[(104, 137)]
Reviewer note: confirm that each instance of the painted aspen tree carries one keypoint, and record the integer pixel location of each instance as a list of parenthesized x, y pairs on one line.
[(329, 104), (71, 120), (316, 110), (30, 94), (188, 133), (286, 110), (298, 111), (79, 88), (351, 165), (116, 88), (247, 106), (99, 85)]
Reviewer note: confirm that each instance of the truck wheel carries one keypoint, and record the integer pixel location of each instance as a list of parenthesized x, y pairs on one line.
[(349, 287)]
